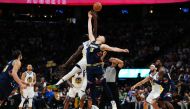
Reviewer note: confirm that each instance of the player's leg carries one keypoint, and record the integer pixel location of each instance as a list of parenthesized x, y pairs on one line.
[(108, 92), (70, 95), (24, 95), (75, 70), (155, 104), (66, 102), (115, 92), (81, 92), (30, 100), (69, 75), (30, 96), (145, 105), (82, 96), (91, 85), (93, 94), (162, 104), (103, 99), (169, 105), (22, 103), (149, 100), (82, 102)]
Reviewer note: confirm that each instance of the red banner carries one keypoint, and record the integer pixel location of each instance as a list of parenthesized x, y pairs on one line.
[(90, 2)]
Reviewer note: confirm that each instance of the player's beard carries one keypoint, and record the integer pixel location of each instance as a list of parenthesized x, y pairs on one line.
[(152, 71)]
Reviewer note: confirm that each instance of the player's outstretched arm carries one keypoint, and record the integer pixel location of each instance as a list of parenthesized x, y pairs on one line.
[(71, 60), (95, 20), (105, 47), (90, 33), (141, 83), (16, 67), (117, 61)]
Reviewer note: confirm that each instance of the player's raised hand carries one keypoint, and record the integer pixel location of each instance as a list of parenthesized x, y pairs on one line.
[(89, 14), (94, 14)]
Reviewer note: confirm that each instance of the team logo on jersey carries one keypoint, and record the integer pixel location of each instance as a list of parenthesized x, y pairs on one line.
[(78, 80), (29, 80)]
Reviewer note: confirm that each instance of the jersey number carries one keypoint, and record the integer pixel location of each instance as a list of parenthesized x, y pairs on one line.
[(91, 49)]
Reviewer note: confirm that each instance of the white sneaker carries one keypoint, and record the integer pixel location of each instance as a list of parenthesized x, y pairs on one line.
[(114, 105), (94, 107)]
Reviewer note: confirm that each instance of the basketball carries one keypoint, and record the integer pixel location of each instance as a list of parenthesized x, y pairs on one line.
[(97, 6)]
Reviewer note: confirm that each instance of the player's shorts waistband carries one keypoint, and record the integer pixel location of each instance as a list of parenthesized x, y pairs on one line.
[(94, 65)]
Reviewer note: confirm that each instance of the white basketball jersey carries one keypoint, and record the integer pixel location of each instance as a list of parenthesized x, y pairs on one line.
[(155, 86), (29, 78), (77, 79), (85, 44)]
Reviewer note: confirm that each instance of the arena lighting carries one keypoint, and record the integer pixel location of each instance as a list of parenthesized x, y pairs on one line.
[(59, 11), (151, 11), (124, 11), (185, 10)]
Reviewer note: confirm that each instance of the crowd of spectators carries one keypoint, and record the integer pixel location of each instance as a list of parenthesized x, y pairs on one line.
[(43, 41)]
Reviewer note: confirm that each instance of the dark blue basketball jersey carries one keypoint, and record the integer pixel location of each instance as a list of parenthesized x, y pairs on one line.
[(6, 71), (7, 83), (94, 53)]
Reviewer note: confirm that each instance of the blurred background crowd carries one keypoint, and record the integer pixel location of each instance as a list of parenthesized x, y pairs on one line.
[(47, 41)]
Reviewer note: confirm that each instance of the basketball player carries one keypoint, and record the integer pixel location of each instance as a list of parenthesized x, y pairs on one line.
[(9, 78), (94, 62), (82, 63), (166, 82), (78, 86), (28, 93), (79, 67), (156, 88), (80, 49)]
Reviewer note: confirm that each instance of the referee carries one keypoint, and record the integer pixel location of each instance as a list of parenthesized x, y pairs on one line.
[(110, 75)]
